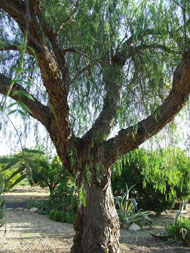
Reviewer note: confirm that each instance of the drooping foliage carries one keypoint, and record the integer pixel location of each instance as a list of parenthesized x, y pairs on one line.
[(90, 34)]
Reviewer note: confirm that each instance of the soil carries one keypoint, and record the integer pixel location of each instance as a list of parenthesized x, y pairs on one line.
[(33, 233)]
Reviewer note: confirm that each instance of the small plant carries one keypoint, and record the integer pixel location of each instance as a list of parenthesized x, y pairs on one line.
[(127, 209), (180, 229)]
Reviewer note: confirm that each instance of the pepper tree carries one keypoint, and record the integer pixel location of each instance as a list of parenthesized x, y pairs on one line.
[(83, 68)]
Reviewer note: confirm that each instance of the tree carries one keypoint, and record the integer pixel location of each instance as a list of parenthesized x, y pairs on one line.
[(100, 64), (33, 165)]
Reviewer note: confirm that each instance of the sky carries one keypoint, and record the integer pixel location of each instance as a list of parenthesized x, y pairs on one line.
[(14, 139)]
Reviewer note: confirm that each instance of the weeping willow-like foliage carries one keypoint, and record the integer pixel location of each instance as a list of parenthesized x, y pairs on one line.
[(153, 33), (91, 34)]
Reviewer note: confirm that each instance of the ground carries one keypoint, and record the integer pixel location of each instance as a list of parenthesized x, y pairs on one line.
[(35, 233)]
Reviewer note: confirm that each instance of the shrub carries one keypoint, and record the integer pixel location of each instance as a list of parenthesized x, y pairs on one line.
[(180, 231), (47, 172), (159, 177), (64, 196), (61, 216), (34, 165)]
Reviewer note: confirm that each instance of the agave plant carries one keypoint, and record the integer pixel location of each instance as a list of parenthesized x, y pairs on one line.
[(127, 209)]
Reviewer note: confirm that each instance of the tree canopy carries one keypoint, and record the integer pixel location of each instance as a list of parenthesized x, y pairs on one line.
[(81, 68), (143, 40)]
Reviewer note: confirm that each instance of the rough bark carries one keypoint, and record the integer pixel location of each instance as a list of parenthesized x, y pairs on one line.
[(97, 224)]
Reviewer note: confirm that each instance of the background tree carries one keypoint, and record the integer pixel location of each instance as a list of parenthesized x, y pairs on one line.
[(34, 166), (83, 67)]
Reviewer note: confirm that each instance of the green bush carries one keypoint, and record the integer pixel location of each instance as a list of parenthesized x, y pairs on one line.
[(179, 229), (64, 196), (159, 177), (61, 216), (34, 167), (56, 215), (47, 172)]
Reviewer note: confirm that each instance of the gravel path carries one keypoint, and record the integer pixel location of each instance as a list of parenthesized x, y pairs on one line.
[(28, 232), (33, 233)]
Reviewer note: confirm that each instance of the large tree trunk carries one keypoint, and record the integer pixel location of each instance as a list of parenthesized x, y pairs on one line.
[(97, 224)]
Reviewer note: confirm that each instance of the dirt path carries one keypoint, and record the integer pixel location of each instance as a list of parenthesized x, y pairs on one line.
[(33, 233)]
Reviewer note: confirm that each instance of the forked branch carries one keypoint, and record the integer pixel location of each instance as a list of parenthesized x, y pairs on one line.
[(69, 19), (130, 138)]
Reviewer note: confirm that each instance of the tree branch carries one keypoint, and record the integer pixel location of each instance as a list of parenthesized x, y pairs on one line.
[(130, 50), (68, 19), (156, 46), (15, 8), (10, 47), (130, 138), (86, 68), (15, 47), (106, 120), (39, 111), (55, 82), (126, 48), (73, 50)]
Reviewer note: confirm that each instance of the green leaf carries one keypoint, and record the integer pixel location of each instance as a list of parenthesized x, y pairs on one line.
[(24, 93), (28, 70), (11, 105), (10, 164), (21, 112), (17, 181), (11, 112), (24, 107), (34, 151), (82, 196), (2, 210), (19, 170)]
